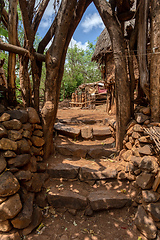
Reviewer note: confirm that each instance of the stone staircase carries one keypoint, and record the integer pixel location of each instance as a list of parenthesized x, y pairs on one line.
[(84, 174)]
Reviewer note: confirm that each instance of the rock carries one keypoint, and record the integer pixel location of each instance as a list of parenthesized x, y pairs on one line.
[(86, 174), (145, 139), (4, 117), (33, 115), (37, 141), (14, 135), (141, 118), (32, 165), (36, 126), (146, 110), (9, 154), (67, 199), (12, 124), (86, 132), (37, 151), (110, 173), (99, 152), (23, 146), (147, 122), (20, 115), (145, 224), (3, 164), (2, 199), (135, 160), (5, 226), (19, 160), (130, 124), (112, 123), (24, 218), (101, 132), (41, 199), (145, 150), (127, 154), (88, 211), (136, 135), (154, 209), (131, 140), (2, 108), (128, 145), (36, 220), (3, 131), (149, 163), (63, 170), (7, 144), (64, 237), (138, 128), (41, 167), (38, 133), (35, 184), (149, 196), (101, 200), (145, 180), (10, 236), (27, 134), (23, 175), (10, 208), (121, 175), (27, 127), (67, 131), (9, 185), (135, 194)]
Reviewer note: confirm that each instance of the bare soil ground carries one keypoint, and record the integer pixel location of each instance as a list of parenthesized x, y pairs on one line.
[(116, 224)]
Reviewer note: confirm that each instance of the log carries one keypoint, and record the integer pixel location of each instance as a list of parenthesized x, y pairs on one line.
[(19, 50)]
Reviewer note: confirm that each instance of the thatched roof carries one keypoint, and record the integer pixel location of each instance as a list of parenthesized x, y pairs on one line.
[(103, 46)]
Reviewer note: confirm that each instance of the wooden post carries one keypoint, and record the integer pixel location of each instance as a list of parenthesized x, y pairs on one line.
[(76, 93), (85, 99)]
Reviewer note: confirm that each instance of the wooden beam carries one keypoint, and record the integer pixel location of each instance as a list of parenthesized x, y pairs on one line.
[(19, 50)]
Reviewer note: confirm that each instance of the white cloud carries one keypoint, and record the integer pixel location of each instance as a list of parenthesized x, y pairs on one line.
[(48, 15), (79, 44), (92, 21)]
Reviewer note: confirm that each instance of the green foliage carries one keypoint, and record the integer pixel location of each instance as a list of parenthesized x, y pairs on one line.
[(79, 69), (3, 32)]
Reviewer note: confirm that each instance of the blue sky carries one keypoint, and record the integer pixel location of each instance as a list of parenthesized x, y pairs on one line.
[(88, 29)]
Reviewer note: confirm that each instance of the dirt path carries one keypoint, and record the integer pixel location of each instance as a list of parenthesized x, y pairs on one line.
[(116, 224)]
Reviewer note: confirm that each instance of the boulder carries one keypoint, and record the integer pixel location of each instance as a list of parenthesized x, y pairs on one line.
[(7, 144), (102, 132), (36, 220), (12, 124), (4, 117), (3, 131), (28, 127), (24, 218), (154, 209), (102, 200), (110, 173), (19, 160), (3, 164), (9, 154), (149, 196), (27, 134), (23, 175), (9, 185), (37, 151), (66, 130), (37, 141), (135, 160), (141, 118), (138, 128), (126, 155), (149, 163), (10, 208), (145, 150), (14, 135), (67, 199), (5, 226), (20, 115), (23, 146), (145, 224), (145, 180), (33, 115), (35, 184), (38, 133), (10, 236)]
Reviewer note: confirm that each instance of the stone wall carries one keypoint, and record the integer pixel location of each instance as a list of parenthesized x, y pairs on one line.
[(140, 158), (22, 171)]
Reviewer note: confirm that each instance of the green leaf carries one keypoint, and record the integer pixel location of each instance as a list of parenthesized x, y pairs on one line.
[(3, 32)]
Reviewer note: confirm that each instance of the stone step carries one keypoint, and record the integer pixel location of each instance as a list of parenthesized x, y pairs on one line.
[(83, 151), (85, 132), (84, 170), (95, 201)]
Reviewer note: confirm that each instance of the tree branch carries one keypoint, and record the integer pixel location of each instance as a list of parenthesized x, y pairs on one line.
[(39, 15)]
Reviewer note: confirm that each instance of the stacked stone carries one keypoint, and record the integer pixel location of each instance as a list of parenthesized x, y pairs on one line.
[(140, 164), (22, 172)]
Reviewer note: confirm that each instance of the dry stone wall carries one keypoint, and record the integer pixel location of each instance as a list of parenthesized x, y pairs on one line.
[(22, 171)]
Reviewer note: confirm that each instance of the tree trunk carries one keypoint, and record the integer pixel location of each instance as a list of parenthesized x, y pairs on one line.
[(12, 35), (122, 87), (25, 81), (55, 60), (142, 44), (155, 62)]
